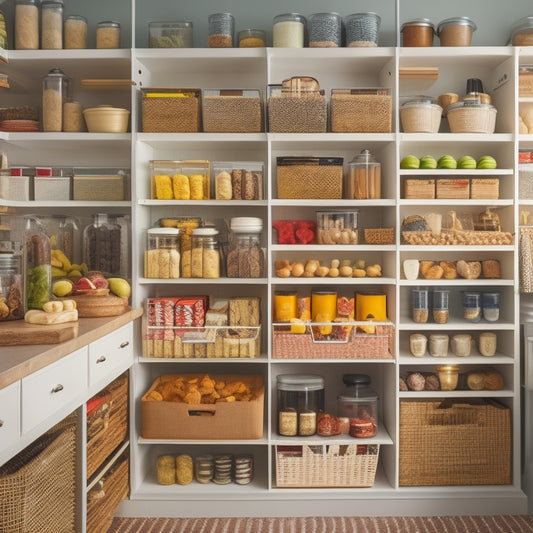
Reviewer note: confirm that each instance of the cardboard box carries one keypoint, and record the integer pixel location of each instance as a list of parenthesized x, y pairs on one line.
[(218, 421)]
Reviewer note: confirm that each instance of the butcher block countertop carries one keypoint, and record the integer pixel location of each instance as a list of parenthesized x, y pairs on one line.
[(17, 362)]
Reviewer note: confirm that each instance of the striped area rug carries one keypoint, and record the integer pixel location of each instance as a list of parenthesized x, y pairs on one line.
[(319, 524)]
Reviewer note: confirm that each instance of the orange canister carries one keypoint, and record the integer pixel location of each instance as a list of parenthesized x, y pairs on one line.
[(371, 307), (285, 306), (418, 32), (324, 309)]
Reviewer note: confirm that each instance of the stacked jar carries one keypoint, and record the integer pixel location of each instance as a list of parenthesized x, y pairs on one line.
[(162, 257), (246, 258)]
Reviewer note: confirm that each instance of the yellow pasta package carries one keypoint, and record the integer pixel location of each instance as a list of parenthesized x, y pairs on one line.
[(196, 182), (180, 184), (163, 187)]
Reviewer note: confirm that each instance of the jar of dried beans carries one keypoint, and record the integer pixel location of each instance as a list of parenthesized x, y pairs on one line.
[(246, 258), (26, 25), (56, 88), (205, 253), (52, 24)]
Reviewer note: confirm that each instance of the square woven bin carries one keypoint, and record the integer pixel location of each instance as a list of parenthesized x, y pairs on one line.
[(348, 465), (358, 345), (379, 235), (38, 485), (297, 114), (419, 188), (453, 188), (467, 442), (484, 188), (170, 110)]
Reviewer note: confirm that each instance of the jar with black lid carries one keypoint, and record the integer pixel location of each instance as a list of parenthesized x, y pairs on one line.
[(300, 401), (359, 403)]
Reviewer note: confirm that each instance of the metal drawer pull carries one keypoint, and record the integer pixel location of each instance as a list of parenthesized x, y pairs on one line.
[(124, 344), (101, 359), (57, 388)]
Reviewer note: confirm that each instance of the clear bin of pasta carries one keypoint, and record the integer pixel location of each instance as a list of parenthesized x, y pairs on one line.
[(180, 180)]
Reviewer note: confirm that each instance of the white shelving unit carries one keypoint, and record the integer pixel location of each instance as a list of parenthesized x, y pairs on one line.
[(200, 67)]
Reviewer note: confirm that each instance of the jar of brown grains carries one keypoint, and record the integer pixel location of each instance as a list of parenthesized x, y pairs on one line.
[(246, 258)]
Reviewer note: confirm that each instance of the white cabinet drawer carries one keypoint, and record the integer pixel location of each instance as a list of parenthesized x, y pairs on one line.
[(10, 415), (111, 354), (51, 389)]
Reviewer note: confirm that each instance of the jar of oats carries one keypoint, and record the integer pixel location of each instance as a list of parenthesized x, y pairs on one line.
[(205, 254), (108, 34), (52, 24), (75, 32), (56, 87), (26, 25)]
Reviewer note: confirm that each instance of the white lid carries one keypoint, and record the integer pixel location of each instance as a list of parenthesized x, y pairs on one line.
[(205, 231), (163, 231), (246, 224), (300, 382)]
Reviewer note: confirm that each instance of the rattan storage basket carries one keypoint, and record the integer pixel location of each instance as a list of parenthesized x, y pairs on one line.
[(379, 235), (38, 486), (347, 465), (419, 188), (484, 188), (466, 117), (447, 443)]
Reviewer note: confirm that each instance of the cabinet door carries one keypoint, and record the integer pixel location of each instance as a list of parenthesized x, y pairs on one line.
[(51, 389), (10, 414)]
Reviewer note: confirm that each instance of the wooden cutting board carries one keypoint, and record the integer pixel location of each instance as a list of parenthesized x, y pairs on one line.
[(18, 332), (90, 306)]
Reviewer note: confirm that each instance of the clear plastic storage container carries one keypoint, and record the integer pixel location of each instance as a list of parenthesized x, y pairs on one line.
[(205, 253), (363, 177), (177, 34), (37, 264), (162, 255), (52, 24), (337, 227), (102, 245), (245, 258)]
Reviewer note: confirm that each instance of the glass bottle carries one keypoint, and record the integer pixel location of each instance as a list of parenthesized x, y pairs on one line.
[(56, 89), (52, 24), (26, 25), (37, 267), (364, 177), (245, 258)]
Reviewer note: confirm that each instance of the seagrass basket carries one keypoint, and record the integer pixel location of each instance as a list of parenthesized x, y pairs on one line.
[(379, 235), (170, 110)]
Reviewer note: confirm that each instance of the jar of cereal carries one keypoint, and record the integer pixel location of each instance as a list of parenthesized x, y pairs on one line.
[(52, 24)]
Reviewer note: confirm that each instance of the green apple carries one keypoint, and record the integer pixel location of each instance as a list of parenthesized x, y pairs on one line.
[(486, 161), (447, 161), (466, 161), (428, 161), (409, 162)]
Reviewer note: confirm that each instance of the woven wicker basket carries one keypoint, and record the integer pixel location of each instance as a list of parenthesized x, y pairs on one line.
[(442, 443), (105, 497), (379, 235), (485, 188), (326, 466), (112, 424), (358, 345), (480, 238), (38, 486), (294, 114), (453, 188), (419, 188)]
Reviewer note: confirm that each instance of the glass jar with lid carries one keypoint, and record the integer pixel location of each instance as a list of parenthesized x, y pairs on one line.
[(456, 31), (221, 30), (362, 29), (418, 32), (75, 32), (300, 401), (26, 25), (102, 245), (359, 403), (52, 24), (37, 264), (205, 253), (252, 38), (364, 177), (11, 288), (56, 90), (162, 256), (108, 34), (325, 30), (288, 30), (246, 258)]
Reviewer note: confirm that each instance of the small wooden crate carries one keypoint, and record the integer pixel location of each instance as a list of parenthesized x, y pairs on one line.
[(419, 188), (456, 189), (485, 188)]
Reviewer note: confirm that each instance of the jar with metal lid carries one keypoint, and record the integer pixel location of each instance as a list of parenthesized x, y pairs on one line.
[(418, 32), (26, 25), (221, 30), (252, 38), (362, 29), (246, 258), (108, 34), (75, 32), (456, 31), (11, 288), (288, 30), (37, 264), (522, 32), (52, 24), (300, 401), (205, 253), (364, 177), (56, 90), (359, 402), (162, 256), (325, 30)]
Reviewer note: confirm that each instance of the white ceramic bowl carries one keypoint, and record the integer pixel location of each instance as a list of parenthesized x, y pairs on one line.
[(106, 119)]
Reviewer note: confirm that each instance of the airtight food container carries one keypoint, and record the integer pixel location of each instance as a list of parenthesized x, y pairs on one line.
[(456, 31), (471, 116), (420, 115), (418, 32), (522, 32)]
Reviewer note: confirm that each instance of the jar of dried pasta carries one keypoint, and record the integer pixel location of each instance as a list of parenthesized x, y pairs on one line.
[(205, 253), (26, 25), (245, 258), (56, 88), (162, 256), (108, 34)]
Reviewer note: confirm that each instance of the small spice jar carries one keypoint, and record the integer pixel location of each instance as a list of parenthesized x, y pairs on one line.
[(252, 39), (75, 32), (288, 30), (205, 254), (221, 30), (448, 377), (325, 30), (246, 258), (418, 32), (26, 25), (456, 31), (108, 34), (52, 24), (11, 288), (285, 306), (440, 306), (491, 306), (56, 88), (417, 344), (364, 177), (162, 256), (300, 400), (420, 305), (461, 345), (487, 343), (359, 402), (472, 306), (362, 29), (438, 345)]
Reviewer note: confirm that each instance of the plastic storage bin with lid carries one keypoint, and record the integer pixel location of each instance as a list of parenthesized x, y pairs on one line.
[(176, 34), (245, 258), (359, 403)]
